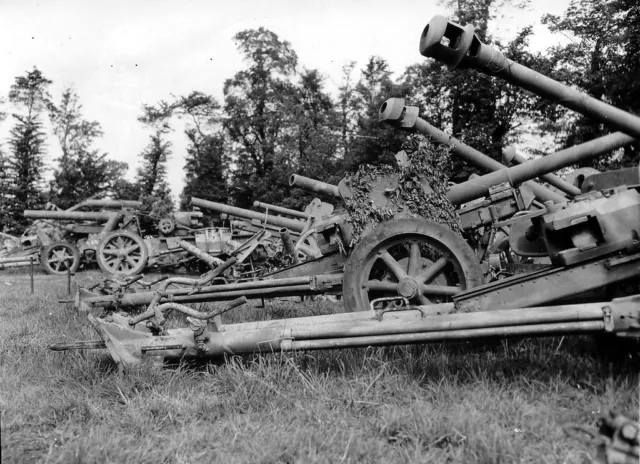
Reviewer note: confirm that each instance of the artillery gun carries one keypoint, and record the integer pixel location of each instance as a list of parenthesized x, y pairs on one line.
[(65, 238), (406, 276), (113, 237)]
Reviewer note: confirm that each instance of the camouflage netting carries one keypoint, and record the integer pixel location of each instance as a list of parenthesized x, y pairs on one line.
[(425, 163)]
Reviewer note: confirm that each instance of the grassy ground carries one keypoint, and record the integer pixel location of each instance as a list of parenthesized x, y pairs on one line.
[(501, 402)]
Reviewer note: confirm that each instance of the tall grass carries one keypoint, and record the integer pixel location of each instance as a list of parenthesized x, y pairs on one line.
[(503, 401)]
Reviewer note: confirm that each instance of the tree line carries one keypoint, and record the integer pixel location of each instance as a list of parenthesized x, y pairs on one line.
[(277, 117)]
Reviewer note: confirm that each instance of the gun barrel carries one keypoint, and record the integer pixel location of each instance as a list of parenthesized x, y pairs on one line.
[(279, 221), (394, 111), (280, 210), (314, 185), (478, 187), (69, 215), (463, 48), (510, 157), (118, 204)]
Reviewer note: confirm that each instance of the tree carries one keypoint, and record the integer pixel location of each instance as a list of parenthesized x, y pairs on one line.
[(257, 104), (6, 197), (152, 174), (312, 139), (604, 60), (82, 171), (372, 143), (205, 166), (346, 111), (29, 93)]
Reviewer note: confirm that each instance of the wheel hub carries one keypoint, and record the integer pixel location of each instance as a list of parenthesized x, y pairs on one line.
[(408, 287)]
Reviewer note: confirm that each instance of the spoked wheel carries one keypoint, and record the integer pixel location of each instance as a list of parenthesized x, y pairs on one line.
[(122, 252), (60, 258), (423, 262)]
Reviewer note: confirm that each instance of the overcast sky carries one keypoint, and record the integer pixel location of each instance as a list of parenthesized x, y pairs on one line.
[(121, 54)]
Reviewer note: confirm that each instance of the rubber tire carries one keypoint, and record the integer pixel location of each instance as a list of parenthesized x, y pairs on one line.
[(133, 271), (47, 249), (462, 252)]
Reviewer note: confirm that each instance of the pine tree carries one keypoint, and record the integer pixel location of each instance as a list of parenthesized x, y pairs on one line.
[(29, 93)]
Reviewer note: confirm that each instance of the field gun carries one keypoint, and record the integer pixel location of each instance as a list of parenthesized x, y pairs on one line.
[(114, 237), (77, 234)]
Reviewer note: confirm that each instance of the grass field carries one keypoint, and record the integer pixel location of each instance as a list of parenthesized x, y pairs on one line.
[(498, 402)]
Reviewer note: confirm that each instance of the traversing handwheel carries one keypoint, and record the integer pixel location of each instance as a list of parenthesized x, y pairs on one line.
[(122, 252), (423, 262)]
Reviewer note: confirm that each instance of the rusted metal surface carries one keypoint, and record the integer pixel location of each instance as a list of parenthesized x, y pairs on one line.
[(459, 46)]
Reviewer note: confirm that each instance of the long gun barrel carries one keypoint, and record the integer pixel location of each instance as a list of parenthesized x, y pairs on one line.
[(510, 157), (279, 221), (280, 210), (110, 204), (479, 186), (393, 110), (459, 46), (69, 215), (314, 185)]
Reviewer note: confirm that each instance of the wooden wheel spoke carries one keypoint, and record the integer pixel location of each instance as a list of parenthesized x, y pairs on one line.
[(414, 259), (440, 290), (393, 265), (132, 248), (381, 285), (428, 274)]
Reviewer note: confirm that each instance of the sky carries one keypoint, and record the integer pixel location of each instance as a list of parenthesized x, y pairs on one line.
[(119, 55)]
